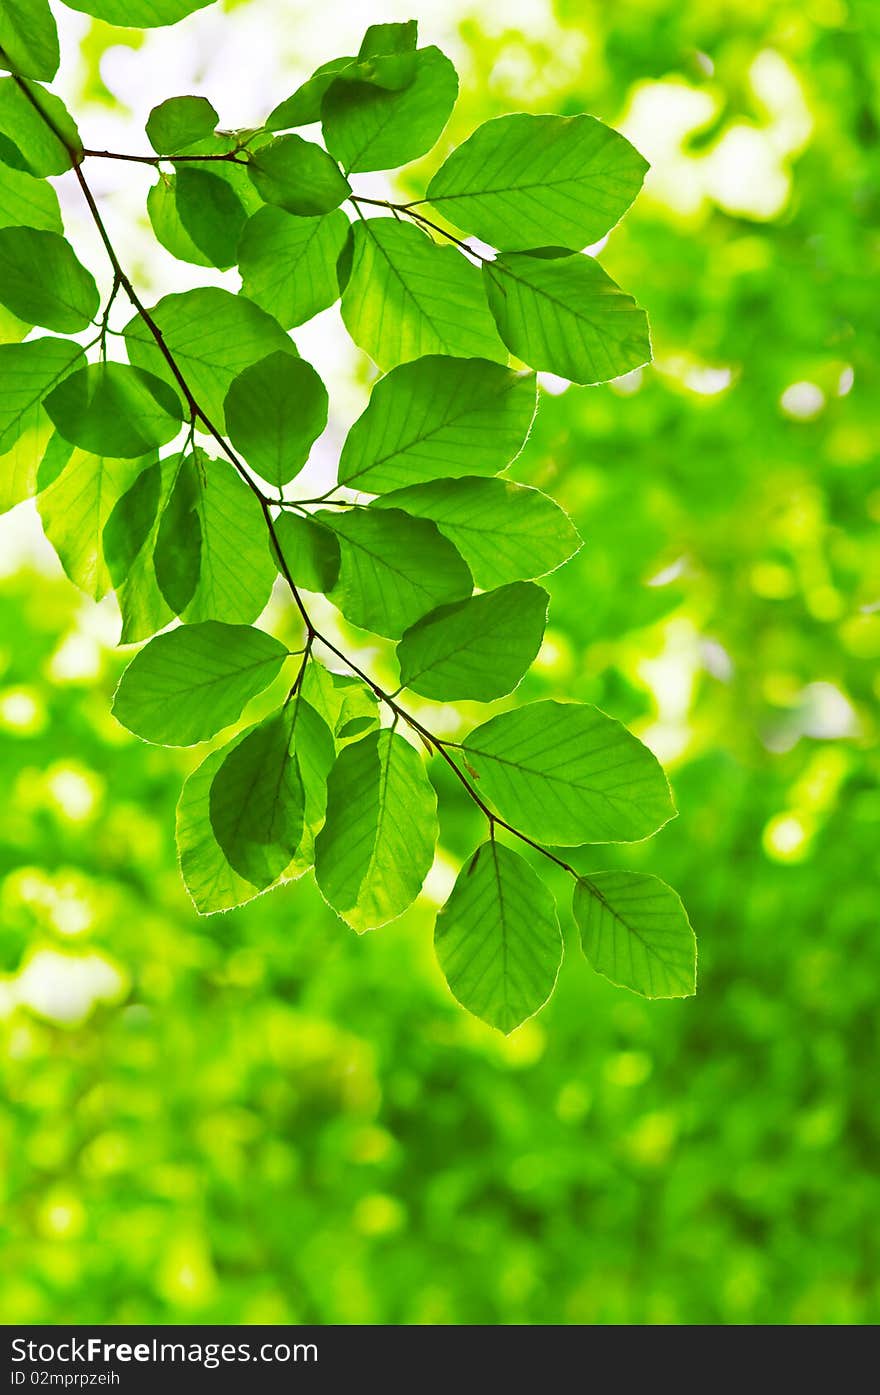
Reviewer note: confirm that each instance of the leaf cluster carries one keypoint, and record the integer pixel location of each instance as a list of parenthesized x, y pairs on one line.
[(166, 475)]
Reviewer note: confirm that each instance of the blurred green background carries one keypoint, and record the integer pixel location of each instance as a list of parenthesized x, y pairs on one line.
[(260, 1117)]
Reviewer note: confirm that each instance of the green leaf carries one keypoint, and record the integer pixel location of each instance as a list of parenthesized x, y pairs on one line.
[(167, 224), (132, 518), (438, 417), (257, 801), (185, 686), (407, 297), (12, 329), (114, 410), (298, 176), (237, 569), (635, 932), (565, 773), (393, 69), (129, 544), (476, 649), (269, 796), (368, 128), (29, 39), (213, 336), (177, 555), (275, 411), (288, 264), (75, 508), (198, 216), (504, 531), (310, 551), (399, 37), (211, 882), (314, 752), (303, 107), (42, 282), (566, 316), (377, 845), (179, 122), (138, 14), (27, 373), (393, 569), (55, 458), (526, 181), (27, 201), (29, 143), (497, 938), (223, 544), (346, 704)]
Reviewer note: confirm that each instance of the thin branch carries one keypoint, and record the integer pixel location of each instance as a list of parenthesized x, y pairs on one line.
[(230, 156)]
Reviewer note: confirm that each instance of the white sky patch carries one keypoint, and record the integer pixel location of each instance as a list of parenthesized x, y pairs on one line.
[(706, 381), (669, 574), (746, 171), (802, 401), (670, 677), (78, 658), (66, 988), (75, 792), (825, 712)]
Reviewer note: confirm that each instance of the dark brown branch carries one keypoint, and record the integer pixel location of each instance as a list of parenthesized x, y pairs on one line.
[(230, 156)]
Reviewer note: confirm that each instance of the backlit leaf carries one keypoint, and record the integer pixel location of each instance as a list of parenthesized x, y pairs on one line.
[(210, 213), (29, 39), (528, 181), (504, 531), (236, 571), (27, 201), (298, 176), (213, 336), (310, 551), (497, 938), (177, 554), (275, 411), (257, 800), (346, 704), (27, 140), (129, 545), (369, 128), (475, 649), (407, 297), (438, 417), (635, 931), (288, 264), (138, 14), (179, 122), (566, 316), (115, 410), (75, 508), (565, 773), (393, 569), (377, 844), (28, 372), (42, 281), (185, 686)]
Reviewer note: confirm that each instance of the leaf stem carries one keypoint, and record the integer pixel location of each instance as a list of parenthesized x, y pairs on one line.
[(407, 208)]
